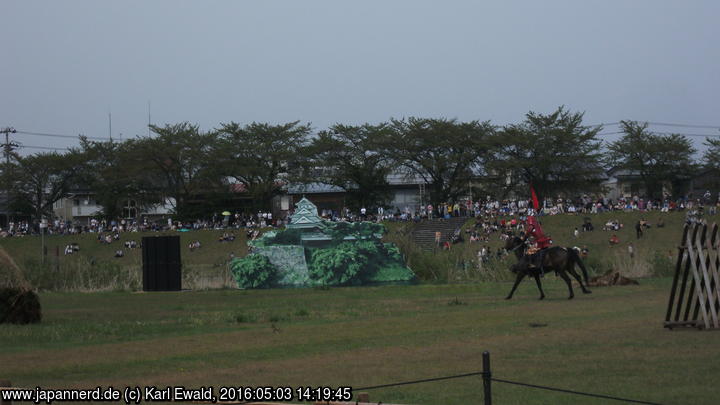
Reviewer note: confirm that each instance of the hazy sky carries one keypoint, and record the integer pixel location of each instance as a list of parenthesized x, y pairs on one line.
[(65, 64)]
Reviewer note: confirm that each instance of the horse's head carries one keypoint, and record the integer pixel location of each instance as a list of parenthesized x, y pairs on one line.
[(515, 244), (510, 242)]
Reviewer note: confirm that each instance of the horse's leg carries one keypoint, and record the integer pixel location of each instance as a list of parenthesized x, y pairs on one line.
[(518, 279), (576, 259), (565, 277), (539, 284), (571, 270)]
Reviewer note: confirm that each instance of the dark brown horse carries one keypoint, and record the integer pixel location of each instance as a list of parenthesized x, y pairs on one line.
[(560, 260)]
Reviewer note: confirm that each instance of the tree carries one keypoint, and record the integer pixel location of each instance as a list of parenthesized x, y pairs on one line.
[(347, 157), (181, 160), (116, 173), (260, 156), (42, 179), (711, 157), (446, 154), (657, 159), (555, 153)]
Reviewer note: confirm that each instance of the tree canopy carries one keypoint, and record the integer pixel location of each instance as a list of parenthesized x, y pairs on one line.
[(259, 155), (348, 157), (656, 158), (444, 153), (555, 153), (41, 179)]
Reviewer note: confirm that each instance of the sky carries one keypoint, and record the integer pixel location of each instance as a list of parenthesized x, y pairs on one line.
[(65, 66)]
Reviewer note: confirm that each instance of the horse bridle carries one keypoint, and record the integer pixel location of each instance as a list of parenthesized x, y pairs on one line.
[(518, 246)]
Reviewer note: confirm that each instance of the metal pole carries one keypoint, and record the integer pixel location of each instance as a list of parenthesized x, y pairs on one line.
[(487, 375), (42, 237)]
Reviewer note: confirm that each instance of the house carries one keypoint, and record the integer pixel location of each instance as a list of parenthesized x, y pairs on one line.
[(622, 182), (406, 191), (705, 180), (80, 206)]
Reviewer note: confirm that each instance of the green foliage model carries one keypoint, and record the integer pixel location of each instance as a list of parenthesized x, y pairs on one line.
[(342, 265), (353, 254), (254, 271)]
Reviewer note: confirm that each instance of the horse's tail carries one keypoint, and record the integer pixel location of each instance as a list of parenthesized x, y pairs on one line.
[(576, 259)]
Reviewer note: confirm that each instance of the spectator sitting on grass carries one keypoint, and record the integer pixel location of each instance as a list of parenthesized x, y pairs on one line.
[(614, 240), (227, 237), (119, 253)]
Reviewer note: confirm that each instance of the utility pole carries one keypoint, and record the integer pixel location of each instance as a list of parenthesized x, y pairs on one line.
[(8, 147)]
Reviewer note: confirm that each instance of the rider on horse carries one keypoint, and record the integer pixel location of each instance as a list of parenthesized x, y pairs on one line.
[(542, 242)]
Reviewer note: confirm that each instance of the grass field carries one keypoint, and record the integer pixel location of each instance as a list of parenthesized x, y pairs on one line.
[(610, 342)]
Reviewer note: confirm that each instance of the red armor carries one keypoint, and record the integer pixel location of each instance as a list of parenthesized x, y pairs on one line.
[(536, 232)]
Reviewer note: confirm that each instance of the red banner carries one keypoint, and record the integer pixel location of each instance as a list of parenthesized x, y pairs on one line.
[(536, 204)]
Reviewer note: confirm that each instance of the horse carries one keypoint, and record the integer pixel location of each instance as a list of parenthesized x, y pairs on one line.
[(558, 259)]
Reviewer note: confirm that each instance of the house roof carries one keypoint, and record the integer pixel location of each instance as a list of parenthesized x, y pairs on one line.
[(313, 188)]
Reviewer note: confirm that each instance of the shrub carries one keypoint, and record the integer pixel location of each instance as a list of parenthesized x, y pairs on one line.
[(360, 230), (341, 265), (285, 237), (254, 271), (662, 266), (19, 306)]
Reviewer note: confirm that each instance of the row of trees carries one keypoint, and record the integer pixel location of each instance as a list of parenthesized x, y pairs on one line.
[(201, 170)]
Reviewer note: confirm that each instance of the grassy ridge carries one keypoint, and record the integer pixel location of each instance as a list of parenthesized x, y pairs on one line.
[(610, 342), (654, 252), (95, 268)]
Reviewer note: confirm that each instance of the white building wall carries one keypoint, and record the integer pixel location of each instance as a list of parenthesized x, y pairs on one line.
[(405, 198)]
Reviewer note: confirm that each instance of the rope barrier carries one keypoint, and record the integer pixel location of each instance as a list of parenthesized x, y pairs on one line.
[(574, 392), (506, 382), (417, 381), (426, 380)]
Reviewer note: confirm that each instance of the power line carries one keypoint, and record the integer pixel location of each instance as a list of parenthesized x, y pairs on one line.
[(683, 125), (665, 124), (61, 135), (676, 133), (663, 133), (42, 147)]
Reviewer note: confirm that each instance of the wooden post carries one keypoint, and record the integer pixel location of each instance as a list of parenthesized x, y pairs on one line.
[(706, 278), (695, 258), (678, 267), (5, 384), (487, 375)]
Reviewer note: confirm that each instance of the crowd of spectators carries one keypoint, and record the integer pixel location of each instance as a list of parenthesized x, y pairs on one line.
[(490, 214)]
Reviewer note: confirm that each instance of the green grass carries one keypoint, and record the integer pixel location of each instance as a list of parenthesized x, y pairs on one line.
[(610, 342)]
